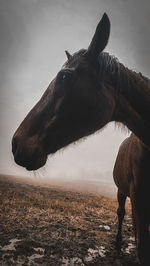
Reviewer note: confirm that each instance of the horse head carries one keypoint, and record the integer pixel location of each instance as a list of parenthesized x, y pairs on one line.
[(76, 104)]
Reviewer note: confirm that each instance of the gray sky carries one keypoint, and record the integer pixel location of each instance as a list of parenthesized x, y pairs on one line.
[(34, 35)]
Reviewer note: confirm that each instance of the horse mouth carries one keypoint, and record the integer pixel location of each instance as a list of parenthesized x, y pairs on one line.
[(31, 164), (36, 166), (30, 168)]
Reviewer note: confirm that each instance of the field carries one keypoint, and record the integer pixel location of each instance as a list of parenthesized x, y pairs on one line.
[(42, 225)]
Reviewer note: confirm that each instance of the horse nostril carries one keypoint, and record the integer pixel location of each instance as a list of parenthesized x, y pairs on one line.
[(14, 145)]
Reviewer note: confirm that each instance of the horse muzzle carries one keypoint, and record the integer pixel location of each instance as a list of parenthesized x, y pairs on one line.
[(27, 155)]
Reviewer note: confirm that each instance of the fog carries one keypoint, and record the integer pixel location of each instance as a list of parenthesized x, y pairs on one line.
[(34, 35)]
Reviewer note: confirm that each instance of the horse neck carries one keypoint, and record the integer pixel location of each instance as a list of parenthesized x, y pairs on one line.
[(133, 104)]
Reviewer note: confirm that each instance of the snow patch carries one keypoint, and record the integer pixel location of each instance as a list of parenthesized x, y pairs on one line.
[(11, 246), (71, 261), (89, 258), (106, 227), (93, 253), (39, 250), (102, 251), (128, 250), (33, 257), (65, 261), (128, 225)]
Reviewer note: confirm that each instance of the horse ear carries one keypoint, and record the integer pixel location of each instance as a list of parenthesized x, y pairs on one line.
[(68, 55), (100, 38)]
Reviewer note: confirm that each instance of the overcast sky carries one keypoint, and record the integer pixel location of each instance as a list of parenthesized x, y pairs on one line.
[(33, 37)]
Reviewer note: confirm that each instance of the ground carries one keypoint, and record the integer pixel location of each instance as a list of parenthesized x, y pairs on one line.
[(52, 226)]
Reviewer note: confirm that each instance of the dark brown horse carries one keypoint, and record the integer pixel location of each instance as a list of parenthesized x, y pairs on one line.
[(90, 90), (131, 175)]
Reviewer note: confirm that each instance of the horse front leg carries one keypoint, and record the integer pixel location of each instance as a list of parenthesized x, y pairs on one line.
[(140, 211), (143, 240), (120, 212)]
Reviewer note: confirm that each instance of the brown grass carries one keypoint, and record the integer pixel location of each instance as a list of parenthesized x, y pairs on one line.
[(65, 224)]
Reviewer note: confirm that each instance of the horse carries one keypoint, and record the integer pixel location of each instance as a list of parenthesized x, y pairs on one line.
[(91, 89), (131, 175)]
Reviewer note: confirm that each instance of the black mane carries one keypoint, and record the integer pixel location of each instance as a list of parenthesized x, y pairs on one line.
[(109, 63), (145, 78)]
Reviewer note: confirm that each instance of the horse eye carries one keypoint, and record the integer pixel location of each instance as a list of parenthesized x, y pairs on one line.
[(64, 76)]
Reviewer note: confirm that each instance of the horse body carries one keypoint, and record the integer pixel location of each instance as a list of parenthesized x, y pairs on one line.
[(131, 175)]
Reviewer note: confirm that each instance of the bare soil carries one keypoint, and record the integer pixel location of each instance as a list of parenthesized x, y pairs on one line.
[(52, 226)]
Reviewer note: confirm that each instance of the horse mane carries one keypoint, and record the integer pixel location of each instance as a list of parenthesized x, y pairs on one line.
[(119, 74), (111, 65), (145, 78)]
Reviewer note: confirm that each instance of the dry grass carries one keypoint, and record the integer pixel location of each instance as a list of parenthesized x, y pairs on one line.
[(70, 228)]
